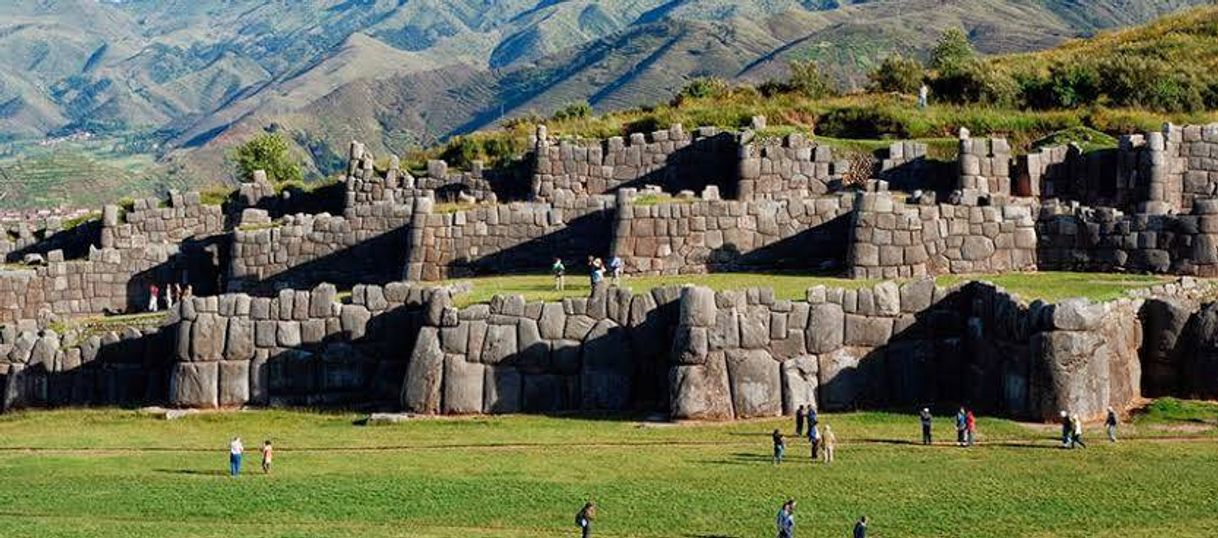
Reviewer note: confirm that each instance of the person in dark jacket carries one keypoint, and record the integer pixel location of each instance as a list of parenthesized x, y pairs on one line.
[(860, 528), (780, 447), (799, 421), (786, 520), (585, 517), (1111, 424), (961, 424), (1067, 429), (926, 420)]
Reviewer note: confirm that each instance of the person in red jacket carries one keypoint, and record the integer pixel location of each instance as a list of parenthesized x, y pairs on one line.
[(970, 425)]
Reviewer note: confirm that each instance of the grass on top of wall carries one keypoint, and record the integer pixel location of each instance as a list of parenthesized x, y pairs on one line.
[(122, 473), (1048, 286)]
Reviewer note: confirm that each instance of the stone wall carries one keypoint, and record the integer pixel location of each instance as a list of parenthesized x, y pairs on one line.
[(505, 238), (602, 353), (301, 347), (891, 239), (791, 167), (45, 369), (1074, 237), (148, 222), (672, 158), (705, 235), (985, 165)]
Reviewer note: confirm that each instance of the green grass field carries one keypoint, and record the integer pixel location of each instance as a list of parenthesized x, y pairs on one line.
[(102, 473), (1047, 285)]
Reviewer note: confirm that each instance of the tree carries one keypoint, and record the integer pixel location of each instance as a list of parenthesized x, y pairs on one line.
[(574, 111), (897, 74), (269, 152), (953, 52), (807, 79)]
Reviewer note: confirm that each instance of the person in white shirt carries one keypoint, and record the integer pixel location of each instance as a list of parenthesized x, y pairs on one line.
[(235, 449)]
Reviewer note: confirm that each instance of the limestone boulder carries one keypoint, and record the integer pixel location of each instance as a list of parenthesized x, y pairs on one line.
[(1162, 351), (194, 385), (422, 390), (800, 376), (463, 385), (697, 307), (239, 344), (234, 387), (756, 383), (500, 344), (826, 328), (606, 377), (501, 390), (701, 392)]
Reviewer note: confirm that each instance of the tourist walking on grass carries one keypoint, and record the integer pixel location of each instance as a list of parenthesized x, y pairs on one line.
[(961, 424), (1110, 423), (830, 444), (780, 447), (814, 440), (799, 421), (268, 454), (1076, 432), (786, 519), (1067, 428), (860, 527), (153, 297), (970, 425), (560, 274), (926, 419), (235, 450), (584, 518)]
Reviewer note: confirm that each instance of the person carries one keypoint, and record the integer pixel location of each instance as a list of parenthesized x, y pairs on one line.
[(188, 292), (926, 423), (585, 517), (560, 274), (961, 423), (830, 443), (923, 96), (780, 446), (268, 453), (1076, 432), (786, 519), (970, 424), (1067, 428), (814, 440), (168, 296), (799, 421), (810, 417), (598, 270), (235, 449), (153, 297), (615, 269), (860, 528), (1110, 423)]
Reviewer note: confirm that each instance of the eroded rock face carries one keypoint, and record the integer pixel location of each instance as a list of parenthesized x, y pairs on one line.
[(756, 383), (701, 392), (1201, 356), (800, 377), (194, 384), (1163, 322), (422, 389)]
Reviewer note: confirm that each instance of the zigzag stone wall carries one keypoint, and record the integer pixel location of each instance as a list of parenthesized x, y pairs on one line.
[(702, 235)]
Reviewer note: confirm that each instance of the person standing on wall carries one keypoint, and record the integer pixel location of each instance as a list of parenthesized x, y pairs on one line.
[(786, 519), (926, 420), (168, 296), (799, 421), (961, 424), (584, 518), (154, 294), (780, 446), (616, 266), (1110, 423), (235, 450), (560, 274)]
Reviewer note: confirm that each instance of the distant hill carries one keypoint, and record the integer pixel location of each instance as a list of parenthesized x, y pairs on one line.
[(191, 77)]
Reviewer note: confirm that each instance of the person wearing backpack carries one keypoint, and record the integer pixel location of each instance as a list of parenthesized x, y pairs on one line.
[(584, 518)]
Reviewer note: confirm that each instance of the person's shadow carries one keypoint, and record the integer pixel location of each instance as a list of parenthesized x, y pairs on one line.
[(196, 472)]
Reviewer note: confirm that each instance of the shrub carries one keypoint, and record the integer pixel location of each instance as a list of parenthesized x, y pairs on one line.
[(703, 88), (808, 80), (897, 74), (269, 152), (861, 123), (1065, 87), (977, 82), (1138, 81), (573, 111), (952, 52)]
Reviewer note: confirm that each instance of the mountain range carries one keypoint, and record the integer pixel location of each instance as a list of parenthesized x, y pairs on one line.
[(197, 76)]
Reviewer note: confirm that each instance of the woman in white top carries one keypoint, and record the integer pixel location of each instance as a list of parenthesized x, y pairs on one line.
[(235, 449)]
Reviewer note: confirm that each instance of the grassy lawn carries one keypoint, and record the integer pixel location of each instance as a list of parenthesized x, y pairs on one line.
[(102, 473), (1049, 286)]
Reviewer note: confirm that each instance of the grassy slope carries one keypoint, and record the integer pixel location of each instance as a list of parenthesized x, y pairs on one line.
[(115, 473), (1049, 286)]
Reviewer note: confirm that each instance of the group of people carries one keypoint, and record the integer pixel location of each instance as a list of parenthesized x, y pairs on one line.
[(236, 450), (1072, 428), (597, 270), (173, 293), (823, 446), (786, 522)]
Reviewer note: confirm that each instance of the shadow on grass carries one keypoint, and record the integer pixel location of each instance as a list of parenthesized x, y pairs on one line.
[(194, 472)]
